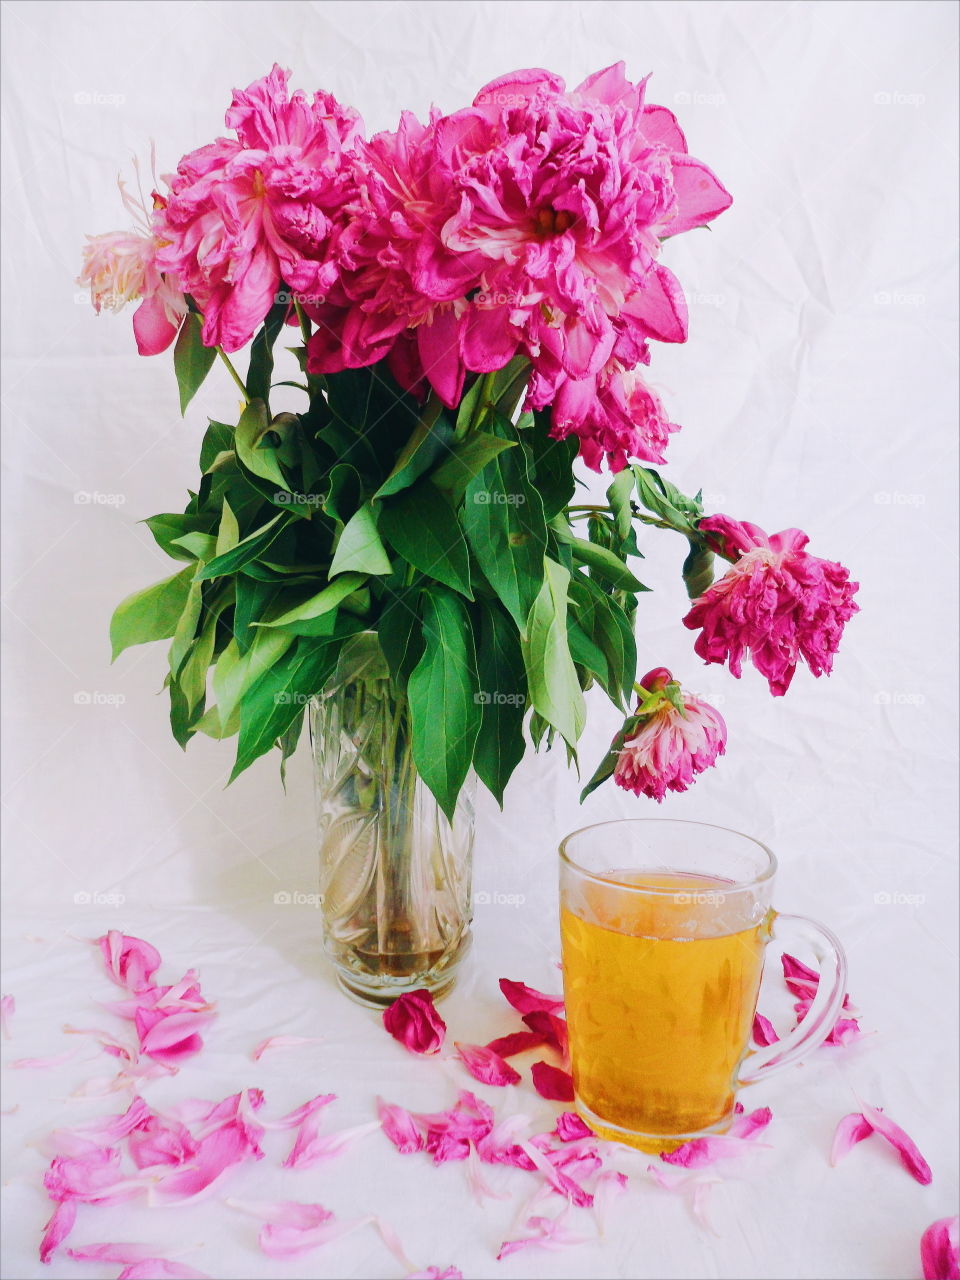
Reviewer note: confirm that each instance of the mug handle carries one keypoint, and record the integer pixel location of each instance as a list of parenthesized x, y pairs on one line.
[(823, 1013)]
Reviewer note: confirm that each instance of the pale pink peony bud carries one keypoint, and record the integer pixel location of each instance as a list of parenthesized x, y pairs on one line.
[(669, 747)]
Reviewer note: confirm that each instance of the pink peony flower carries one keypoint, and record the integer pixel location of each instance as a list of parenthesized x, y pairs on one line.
[(413, 1020), (669, 747), (121, 266), (778, 603), (529, 223), (244, 215)]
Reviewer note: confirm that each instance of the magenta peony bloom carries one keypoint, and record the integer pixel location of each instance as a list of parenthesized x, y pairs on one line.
[(121, 266), (778, 603), (413, 1020), (529, 223), (244, 215), (670, 747)]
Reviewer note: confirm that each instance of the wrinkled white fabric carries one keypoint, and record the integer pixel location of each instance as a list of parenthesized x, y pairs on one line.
[(817, 389)]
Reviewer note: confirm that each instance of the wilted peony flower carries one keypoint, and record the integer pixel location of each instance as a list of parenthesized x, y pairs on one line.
[(777, 603), (669, 747), (121, 266), (414, 1021), (530, 224), (244, 215)]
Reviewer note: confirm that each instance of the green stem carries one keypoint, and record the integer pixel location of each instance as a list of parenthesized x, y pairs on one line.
[(233, 373), (304, 322)]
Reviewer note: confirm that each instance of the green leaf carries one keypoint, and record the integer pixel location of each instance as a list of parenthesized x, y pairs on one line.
[(552, 464), (253, 598), (422, 527), (186, 630), (288, 743), (191, 359), (236, 672), (192, 676), (665, 500), (253, 450), (443, 694), (320, 603), (151, 614), (605, 564), (271, 705), (359, 548), (466, 460), (200, 546), (343, 496), (609, 762), (504, 523), (503, 693), (552, 678), (619, 495), (260, 371), (249, 548), (698, 569), (429, 440), (228, 534), (218, 439), (168, 527), (613, 634), (401, 638)]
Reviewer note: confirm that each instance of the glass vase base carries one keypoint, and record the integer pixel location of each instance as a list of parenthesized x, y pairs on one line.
[(378, 991), (651, 1143)]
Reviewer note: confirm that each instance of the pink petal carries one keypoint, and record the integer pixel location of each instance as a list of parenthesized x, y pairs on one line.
[(130, 962), (302, 1113), (903, 1144), (516, 1042), (477, 1183), (401, 1127), (763, 1032), (283, 1042), (549, 1233), (311, 1148), (57, 1229), (291, 1242), (609, 1185), (500, 1145), (283, 1213), (151, 328), (550, 1082), (553, 1029), (8, 1007), (748, 1126), (434, 1273), (35, 1064), (124, 1254), (700, 192), (570, 1127), (699, 1152), (485, 1065), (940, 1250), (526, 1000), (800, 978), (392, 1241), (170, 1038), (414, 1022), (216, 1153), (160, 1269), (107, 1041), (560, 1181), (851, 1130)]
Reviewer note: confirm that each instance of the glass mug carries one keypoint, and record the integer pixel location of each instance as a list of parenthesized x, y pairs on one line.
[(663, 926)]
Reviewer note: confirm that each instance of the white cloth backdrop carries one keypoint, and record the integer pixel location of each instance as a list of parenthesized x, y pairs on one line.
[(816, 390)]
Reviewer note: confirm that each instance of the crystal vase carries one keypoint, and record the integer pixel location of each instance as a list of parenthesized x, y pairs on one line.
[(395, 875)]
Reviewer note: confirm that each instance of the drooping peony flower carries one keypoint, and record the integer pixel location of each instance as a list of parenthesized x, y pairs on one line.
[(121, 266), (529, 223), (413, 1020), (245, 214), (669, 747), (778, 603)]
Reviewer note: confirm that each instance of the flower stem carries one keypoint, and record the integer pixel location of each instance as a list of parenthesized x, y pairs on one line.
[(304, 322), (233, 374)]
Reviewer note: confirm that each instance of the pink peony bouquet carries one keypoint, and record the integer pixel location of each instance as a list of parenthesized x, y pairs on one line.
[(472, 301)]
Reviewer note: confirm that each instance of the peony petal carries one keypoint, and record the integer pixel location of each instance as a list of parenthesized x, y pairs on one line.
[(560, 1181), (8, 1007), (311, 1148), (609, 1185), (291, 1242), (940, 1250), (121, 1253), (851, 1130), (36, 1064), (699, 1152), (553, 1029), (435, 1273), (570, 1127), (283, 1042), (392, 1241), (130, 961), (763, 1032), (401, 1127), (526, 1000), (748, 1126), (477, 1183), (413, 1021), (57, 1229), (516, 1042), (550, 1082), (903, 1144), (548, 1233), (800, 978), (160, 1269), (485, 1065)]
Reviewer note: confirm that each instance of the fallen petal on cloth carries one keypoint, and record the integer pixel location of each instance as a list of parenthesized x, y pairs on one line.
[(56, 1230), (552, 1083), (547, 1233), (413, 1021), (763, 1032), (526, 1000), (902, 1143), (700, 1152), (516, 1042), (8, 1007), (570, 1127), (485, 1065), (940, 1250), (283, 1042), (851, 1130)]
